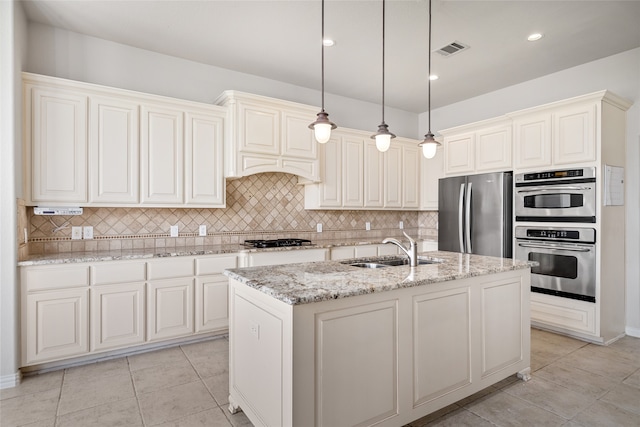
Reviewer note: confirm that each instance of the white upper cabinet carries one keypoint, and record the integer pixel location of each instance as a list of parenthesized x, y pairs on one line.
[(431, 170), (393, 176), (478, 147), (532, 139), (329, 192), (55, 145), (268, 135), (373, 175), (353, 171), (90, 145), (410, 175), (113, 150), (574, 134)]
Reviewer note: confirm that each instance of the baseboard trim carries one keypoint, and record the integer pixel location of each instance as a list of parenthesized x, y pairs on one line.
[(632, 332), (9, 381)]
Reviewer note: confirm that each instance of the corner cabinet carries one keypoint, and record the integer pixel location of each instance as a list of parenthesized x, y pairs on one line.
[(90, 145), (268, 135), (355, 175)]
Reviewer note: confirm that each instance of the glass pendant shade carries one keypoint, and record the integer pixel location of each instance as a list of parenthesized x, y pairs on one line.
[(429, 146), (383, 137), (322, 127)]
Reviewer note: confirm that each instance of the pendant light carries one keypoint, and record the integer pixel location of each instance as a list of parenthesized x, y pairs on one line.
[(383, 136), (322, 127), (429, 144)]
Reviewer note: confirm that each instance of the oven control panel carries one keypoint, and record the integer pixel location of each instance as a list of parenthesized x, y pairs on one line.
[(587, 174), (578, 235)]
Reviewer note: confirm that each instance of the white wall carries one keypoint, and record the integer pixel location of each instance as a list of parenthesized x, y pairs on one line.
[(12, 43), (618, 73), (61, 53)]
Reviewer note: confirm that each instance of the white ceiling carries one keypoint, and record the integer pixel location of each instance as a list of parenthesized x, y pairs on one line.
[(280, 40)]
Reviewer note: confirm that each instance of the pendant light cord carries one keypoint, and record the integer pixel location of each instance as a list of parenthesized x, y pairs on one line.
[(322, 56), (383, 15), (429, 76)]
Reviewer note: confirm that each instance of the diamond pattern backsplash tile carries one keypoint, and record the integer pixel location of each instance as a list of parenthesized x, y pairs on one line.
[(270, 204)]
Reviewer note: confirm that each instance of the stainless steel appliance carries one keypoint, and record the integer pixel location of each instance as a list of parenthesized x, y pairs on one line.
[(275, 243), (556, 196), (475, 214), (566, 257)]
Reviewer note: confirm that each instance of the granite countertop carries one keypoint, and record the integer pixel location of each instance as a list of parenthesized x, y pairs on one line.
[(326, 280), (128, 254)]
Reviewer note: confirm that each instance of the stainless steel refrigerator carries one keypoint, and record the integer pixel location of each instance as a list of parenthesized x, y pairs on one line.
[(475, 214)]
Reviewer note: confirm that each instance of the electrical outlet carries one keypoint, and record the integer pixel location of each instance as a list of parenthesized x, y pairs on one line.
[(202, 230), (173, 231), (87, 232), (254, 329), (401, 225), (367, 226), (76, 233), (319, 227)]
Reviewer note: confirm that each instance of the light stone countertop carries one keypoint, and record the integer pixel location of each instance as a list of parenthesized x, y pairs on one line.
[(327, 280), (129, 254)]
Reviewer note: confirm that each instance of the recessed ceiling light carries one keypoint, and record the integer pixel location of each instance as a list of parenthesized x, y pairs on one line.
[(535, 36), (433, 77), (328, 42)]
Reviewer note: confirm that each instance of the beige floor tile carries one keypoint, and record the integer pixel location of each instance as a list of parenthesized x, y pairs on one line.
[(561, 344), (174, 403), (210, 364), (506, 410), (460, 418), (22, 410), (120, 413), (238, 419), (43, 423), (605, 414), (624, 396), (92, 371), (627, 345), (605, 363), (420, 422), (482, 393), (154, 358), (633, 380), (205, 348), (163, 376), (34, 384), (506, 382), (576, 379), (209, 418), (79, 395), (218, 386), (551, 397)]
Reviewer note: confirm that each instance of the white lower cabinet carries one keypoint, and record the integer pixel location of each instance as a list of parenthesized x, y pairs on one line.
[(117, 315), (170, 308), (360, 251), (212, 312)]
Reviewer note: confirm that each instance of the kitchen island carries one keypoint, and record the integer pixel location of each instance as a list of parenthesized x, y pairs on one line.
[(332, 344)]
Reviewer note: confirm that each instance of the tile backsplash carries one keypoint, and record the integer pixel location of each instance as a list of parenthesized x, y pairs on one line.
[(267, 205)]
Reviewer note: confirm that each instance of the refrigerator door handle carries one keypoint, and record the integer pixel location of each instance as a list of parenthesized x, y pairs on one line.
[(468, 219), (460, 218)]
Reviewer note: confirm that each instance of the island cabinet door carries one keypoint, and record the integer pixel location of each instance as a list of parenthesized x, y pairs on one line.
[(504, 334), (442, 344)]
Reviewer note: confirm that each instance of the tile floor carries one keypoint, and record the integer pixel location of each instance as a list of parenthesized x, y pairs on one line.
[(574, 384)]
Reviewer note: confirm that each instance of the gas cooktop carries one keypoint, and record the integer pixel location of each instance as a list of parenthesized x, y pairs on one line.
[(275, 243)]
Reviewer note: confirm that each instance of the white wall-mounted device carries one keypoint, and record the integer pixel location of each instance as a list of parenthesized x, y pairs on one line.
[(65, 211)]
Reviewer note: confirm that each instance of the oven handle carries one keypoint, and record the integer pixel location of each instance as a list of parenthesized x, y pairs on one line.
[(538, 189), (554, 247)]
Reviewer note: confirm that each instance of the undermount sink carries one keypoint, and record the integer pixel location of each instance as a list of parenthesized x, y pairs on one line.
[(392, 262)]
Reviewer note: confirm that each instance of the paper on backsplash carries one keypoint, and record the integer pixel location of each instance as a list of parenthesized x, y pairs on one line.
[(613, 186)]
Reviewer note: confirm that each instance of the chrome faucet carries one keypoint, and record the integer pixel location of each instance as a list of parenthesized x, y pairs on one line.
[(411, 251)]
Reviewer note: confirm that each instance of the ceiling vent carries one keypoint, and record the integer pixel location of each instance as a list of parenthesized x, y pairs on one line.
[(452, 48)]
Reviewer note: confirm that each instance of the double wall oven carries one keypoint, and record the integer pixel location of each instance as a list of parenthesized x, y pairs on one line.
[(565, 250)]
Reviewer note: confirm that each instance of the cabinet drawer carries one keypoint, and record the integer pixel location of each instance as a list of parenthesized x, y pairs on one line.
[(215, 265), (118, 272), (572, 315), (168, 268), (55, 277)]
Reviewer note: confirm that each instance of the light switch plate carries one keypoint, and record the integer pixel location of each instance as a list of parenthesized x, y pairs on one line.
[(319, 227), (401, 225), (202, 230), (76, 233), (87, 232), (367, 226), (173, 231)]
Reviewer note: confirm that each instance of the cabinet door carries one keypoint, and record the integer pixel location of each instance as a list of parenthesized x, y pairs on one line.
[(393, 177), (169, 308), (459, 157), (330, 189), (212, 311), (58, 146), (353, 171), (373, 176), (297, 139), (113, 150), (117, 315), (533, 142), (56, 325), (410, 176), (493, 149), (574, 134), (431, 171), (204, 167), (343, 252), (162, 141), (259, 129)]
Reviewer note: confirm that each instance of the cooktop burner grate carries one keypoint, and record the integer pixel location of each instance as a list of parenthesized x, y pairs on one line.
[(275, 243)]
